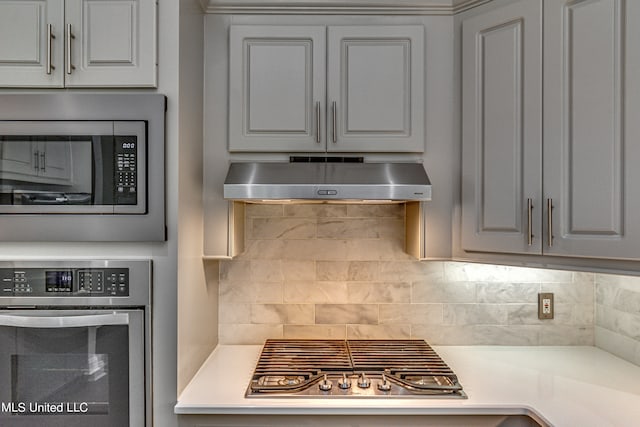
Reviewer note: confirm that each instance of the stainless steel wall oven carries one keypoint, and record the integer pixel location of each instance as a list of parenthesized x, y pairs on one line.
[(91, 164), (75, 343)]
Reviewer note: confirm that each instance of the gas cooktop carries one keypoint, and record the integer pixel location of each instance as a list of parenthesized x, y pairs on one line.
[(352, 368)]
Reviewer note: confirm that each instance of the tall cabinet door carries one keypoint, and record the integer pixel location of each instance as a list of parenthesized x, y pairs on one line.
[(592, 111), (502, 144), (376, 88), (110, 43), (277, 88), (31, 43)]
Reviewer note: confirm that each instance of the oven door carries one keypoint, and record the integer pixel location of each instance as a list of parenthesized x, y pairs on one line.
[(72, 368), (72, 167)]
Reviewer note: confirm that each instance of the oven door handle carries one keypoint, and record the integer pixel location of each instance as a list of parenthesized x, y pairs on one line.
[(20, 321)]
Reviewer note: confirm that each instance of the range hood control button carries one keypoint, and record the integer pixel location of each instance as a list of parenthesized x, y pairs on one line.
[(327, 192)]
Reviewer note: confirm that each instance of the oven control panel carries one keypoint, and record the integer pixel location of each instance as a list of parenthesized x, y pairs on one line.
[(64, 282)]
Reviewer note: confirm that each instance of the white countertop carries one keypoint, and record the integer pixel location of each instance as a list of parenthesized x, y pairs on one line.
[(562, 386)]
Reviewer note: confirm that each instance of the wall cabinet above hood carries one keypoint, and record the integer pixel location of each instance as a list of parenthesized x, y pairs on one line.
[(317, 88)]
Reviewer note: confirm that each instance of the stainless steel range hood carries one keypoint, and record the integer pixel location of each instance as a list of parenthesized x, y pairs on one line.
[(265, 181)]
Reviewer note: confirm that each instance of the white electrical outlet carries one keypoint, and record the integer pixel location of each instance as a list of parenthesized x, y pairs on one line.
[(545, 305)]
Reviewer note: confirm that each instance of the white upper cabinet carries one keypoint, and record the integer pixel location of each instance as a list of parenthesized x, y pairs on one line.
[(591, 128), (31, 43), (317, 88), (578, 199), (502, 134), (78, 43), (277, 88), (375, 83), (112, 43)]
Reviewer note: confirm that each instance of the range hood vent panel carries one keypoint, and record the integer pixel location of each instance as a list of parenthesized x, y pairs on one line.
[(327, 181)]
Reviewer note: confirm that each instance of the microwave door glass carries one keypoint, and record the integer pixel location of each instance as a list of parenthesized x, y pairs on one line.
[(68, 174)]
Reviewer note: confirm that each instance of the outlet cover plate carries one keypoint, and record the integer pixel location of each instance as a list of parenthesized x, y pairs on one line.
[(545, 305)]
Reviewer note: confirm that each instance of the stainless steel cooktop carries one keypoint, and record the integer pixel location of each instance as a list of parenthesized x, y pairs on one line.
[(352, 368)]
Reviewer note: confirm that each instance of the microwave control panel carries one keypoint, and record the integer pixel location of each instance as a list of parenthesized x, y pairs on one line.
[(126, 170), (64, 282)]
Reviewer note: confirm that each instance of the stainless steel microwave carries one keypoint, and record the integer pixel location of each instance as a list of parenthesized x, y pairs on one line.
[(79, 167)]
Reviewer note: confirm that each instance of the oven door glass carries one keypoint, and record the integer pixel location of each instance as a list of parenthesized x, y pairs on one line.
[(71, 368), (72, 167)]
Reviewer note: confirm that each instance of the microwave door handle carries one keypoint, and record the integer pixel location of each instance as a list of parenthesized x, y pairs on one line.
[(20, 321)]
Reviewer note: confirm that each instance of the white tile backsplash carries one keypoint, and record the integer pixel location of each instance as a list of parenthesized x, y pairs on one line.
[(337, 271), (361, 314), (328, 332), (378, 292), (316, 292), (281, 228), (421, 314), (289, 314), (617, 315), (355, 271), (378, 332)]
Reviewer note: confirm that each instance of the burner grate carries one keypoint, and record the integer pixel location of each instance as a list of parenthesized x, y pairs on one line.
[(303, 355), (380, 355)]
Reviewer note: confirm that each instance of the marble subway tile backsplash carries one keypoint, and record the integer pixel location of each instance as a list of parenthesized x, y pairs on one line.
[(340, 271), (617, 323)]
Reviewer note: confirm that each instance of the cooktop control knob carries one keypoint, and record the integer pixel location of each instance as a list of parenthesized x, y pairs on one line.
[(325, 384), (344, 382), (363, 381), (384, 385)]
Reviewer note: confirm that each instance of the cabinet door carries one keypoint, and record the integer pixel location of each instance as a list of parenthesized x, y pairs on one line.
[(17, 160), (502, 127), (276, 88), (376, 88), (113, 43), (55, 161), (592, 111), (48, 162), (31, 43)]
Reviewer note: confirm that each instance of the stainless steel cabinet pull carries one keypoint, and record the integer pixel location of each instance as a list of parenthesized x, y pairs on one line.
[(550, 222), (529, 222), (318, 122), (36, 160), (43, 160), (50, 37), (335, 125), (70, 36)]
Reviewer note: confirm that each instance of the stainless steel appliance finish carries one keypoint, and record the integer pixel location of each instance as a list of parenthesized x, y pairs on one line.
[(352, 368), (75, 343), (101, 167), (327, 181), (82, 167)]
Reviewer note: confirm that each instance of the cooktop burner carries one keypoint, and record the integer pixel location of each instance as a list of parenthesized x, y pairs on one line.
[(352, 368)]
